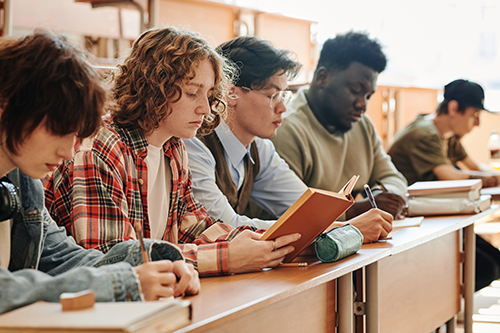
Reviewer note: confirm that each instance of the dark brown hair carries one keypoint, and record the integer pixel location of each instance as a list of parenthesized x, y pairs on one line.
[(45, 80), (257, 61), (148, 82)]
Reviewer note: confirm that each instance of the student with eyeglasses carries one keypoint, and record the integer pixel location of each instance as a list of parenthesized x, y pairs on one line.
[(236, 170)]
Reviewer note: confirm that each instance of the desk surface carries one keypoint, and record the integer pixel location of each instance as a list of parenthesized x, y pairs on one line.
[(229, 297)]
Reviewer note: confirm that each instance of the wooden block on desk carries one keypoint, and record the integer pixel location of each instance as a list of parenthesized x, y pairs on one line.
[(77, 301)]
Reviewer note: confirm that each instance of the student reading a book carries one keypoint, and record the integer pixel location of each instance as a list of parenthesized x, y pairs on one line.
[(236, 165), (327, 137), (429, 148), (135, 169), (49, 97)]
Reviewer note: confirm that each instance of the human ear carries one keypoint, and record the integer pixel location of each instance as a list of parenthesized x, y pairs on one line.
[(321, 76), (452, 107), (232, 97)]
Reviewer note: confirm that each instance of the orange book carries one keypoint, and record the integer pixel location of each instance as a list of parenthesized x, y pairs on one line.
[(444, 186), (310, 215)]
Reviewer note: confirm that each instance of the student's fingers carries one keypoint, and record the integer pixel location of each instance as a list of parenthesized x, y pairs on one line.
[(163, 265), (194, 286), (160, 292), (184, 275), (167, 279), (281, 253), (285, 240)]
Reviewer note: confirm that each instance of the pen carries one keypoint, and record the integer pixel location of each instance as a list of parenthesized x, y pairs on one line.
[(379, 183), (294, 264), (138, 231), (370, 195)]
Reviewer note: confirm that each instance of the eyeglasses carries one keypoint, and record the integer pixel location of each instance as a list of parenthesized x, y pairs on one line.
[(276, 98)]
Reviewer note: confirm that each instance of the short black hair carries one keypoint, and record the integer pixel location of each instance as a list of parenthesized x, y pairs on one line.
[(257, 60), (338, 53)]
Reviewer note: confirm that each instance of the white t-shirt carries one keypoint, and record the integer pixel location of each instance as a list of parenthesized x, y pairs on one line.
[(5, 228), (159, 186)]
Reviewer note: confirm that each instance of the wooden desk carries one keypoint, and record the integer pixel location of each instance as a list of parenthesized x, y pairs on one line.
[(413, 285), (420, 285), (287, 299)]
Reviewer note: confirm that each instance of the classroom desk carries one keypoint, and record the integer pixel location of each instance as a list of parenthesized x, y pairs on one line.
[(286, 299), (317, 298), (419, 286)]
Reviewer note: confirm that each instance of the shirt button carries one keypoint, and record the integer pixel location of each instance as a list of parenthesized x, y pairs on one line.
[(141, 181)]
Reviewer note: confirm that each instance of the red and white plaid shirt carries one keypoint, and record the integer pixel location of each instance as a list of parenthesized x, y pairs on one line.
[(100, 195)]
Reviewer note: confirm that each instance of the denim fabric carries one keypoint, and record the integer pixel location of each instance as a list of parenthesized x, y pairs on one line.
[(45, 262)]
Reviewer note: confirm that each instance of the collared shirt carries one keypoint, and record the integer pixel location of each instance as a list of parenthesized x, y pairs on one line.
[(275, 188), (102, 193)]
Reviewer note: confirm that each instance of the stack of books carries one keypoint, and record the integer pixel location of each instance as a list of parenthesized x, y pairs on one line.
[(445, 197)]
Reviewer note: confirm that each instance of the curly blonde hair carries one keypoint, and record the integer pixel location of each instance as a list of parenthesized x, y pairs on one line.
[(148, 82)]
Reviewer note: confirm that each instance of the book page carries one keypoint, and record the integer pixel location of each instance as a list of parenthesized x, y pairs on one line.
[(408, 222)]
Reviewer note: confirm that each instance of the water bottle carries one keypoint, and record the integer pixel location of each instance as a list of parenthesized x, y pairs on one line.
[(494, 146)]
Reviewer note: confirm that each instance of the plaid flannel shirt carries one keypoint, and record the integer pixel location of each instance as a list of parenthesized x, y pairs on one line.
[(100, 195)]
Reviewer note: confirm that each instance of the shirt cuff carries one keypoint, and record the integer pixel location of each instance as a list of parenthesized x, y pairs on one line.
[(125, 281), (209, 259)]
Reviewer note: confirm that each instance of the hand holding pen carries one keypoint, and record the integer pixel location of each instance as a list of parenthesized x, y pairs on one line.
[(390, 202)]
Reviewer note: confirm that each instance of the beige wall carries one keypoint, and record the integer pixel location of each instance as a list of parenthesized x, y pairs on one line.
[(289, 33), (213, 21), (392, 108), (476, 142)]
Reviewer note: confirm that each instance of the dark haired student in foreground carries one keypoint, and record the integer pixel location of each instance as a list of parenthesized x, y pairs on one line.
[(49, 97)]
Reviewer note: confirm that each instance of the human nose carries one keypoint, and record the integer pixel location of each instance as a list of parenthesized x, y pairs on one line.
[(361, 102), (205, 108), (280, 107)]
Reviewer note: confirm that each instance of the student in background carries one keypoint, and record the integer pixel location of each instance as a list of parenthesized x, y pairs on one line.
[(49, 97), (327, 138), (429, 148), (135, 169), (236, 165)]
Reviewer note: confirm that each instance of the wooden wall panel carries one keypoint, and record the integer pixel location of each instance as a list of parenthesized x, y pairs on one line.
[(289, 33), (212, 21)]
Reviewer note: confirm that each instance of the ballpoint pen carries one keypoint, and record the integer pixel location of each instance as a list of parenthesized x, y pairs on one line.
[(370, 195)]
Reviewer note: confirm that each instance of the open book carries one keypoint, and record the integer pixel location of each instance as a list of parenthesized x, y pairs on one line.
[(310, 215), (157, 316)]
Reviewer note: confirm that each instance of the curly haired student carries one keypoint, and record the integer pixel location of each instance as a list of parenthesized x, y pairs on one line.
[(135, 170)]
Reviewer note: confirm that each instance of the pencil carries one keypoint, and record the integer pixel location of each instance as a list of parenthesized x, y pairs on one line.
[(138, 231), (294, 264)]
